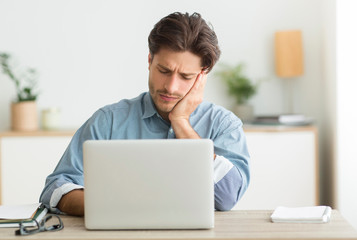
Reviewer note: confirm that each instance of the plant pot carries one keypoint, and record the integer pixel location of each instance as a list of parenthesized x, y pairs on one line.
[(245, 112), (24, 116)]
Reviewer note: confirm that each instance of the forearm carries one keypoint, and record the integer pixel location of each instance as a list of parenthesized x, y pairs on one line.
[(72, 203), (184, 130)]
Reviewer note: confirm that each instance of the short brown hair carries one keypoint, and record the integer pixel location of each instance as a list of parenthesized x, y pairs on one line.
[(184, 32)]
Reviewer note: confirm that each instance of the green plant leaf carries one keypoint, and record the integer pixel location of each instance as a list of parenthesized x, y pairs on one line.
[(25, 82), (239, 86)]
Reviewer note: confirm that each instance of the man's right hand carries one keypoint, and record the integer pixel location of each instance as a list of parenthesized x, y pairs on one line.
[(72, 203)]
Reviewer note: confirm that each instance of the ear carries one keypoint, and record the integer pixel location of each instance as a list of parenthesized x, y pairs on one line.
[(149, 60), (205, 70)]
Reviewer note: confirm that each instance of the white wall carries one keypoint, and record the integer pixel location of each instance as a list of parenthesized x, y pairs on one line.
[(346, 110), (92, 53)]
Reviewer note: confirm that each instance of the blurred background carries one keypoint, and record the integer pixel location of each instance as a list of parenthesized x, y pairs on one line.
[(91, 53)]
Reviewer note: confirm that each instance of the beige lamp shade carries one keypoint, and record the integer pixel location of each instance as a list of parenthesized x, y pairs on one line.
[(288, 54)]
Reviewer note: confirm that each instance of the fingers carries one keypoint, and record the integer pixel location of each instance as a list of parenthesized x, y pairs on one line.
[(200, 81), (192, 99)]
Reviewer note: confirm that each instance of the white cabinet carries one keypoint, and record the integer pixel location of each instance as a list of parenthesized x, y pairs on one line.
[(284, 167), (26, 159)]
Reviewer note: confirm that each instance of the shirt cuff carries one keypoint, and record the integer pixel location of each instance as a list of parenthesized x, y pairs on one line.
[(221, 166), (59, 192)]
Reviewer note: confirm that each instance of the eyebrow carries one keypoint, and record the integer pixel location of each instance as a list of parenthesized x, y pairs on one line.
[(183, 74)]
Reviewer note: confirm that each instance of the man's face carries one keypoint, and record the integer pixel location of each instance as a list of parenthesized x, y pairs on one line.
[(171, 76)]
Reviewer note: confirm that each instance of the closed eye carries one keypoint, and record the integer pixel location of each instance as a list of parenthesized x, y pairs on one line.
[(187, 77), (164, 71), (184, 76)]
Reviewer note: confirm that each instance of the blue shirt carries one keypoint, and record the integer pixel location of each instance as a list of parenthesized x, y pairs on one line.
[(138, 119)]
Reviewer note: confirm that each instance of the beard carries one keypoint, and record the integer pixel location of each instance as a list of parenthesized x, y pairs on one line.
[(163, 107)]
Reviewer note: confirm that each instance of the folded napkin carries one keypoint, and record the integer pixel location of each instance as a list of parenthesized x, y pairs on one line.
[(316, 214)]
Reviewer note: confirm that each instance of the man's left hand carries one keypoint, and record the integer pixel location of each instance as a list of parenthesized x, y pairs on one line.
[(190, 102), (179, 116)]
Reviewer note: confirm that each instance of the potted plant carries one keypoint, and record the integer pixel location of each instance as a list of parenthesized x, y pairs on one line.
[(241, 88), (23, 109)]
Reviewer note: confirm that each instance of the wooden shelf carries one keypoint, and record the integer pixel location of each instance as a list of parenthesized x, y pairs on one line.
[(277, 128), (39, 133)]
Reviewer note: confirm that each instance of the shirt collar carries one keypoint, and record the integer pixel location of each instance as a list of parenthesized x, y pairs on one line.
[(149, 109)]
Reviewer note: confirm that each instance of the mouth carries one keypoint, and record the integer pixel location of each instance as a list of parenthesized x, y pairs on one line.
[(167, 98)]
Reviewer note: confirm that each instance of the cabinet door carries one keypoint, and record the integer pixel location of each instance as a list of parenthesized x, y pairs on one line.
[(283, 170), (25, 164)]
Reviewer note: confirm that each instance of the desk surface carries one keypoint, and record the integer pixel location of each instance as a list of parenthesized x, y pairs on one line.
[(228, 225)]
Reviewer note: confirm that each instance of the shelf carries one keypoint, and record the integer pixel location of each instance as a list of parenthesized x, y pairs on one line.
[(277, 128), (39, 133)]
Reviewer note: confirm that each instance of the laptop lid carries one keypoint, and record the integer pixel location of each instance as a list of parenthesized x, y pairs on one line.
[(148, 184)]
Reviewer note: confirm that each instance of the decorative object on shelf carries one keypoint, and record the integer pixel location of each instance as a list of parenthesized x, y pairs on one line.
[(51, 118), (24, 108), (289, 59), (241, 88)]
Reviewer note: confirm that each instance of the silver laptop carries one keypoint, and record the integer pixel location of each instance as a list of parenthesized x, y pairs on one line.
[(148, 184)]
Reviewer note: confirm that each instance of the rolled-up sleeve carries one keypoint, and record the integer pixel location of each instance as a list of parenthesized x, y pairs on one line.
[(231, 166)]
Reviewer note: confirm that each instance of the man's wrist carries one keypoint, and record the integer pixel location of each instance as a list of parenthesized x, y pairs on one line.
[(72, 203), (183, 129)]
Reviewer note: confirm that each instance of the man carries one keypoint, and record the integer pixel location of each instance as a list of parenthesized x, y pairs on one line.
[(183, 50)]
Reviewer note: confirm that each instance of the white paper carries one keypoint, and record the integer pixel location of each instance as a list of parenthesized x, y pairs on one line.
[(318, 214), (24, 211)]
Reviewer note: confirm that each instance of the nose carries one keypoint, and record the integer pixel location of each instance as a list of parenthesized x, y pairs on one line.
[(171, 83)]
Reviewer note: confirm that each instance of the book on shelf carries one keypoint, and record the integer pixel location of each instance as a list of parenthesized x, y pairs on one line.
[(12, 215), (284, 119)]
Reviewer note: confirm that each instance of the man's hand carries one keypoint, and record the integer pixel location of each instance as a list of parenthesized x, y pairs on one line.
[(72, 203), (179, 116)]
